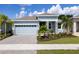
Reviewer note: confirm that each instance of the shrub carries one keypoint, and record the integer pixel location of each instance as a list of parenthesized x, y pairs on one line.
[(55, 36), (50, 31), (43, 29)]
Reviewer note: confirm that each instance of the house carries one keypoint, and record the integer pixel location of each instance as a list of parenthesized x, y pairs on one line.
[(29, 25), (7, 29), (76, 26)]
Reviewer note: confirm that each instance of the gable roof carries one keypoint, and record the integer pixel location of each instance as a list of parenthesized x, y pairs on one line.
[(27, 18), (35, 17)]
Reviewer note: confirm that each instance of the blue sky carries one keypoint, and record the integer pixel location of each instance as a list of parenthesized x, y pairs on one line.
[(12, 9)]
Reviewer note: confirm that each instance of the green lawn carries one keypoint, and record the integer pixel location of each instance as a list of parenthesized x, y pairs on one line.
[(72, 40), (58, 52)]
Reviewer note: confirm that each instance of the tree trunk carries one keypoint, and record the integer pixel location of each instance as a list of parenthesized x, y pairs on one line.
[(68, 30), (5, 29)]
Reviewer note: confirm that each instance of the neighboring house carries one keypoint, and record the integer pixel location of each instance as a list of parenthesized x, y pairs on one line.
[(29, 25), (8, 28)]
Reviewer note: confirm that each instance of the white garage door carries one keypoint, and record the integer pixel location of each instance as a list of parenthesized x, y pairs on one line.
[(26, 29)]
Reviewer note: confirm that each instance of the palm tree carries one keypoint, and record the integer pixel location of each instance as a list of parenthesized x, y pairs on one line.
[(4, 19), (0, 25), (67, 22), (6, 24), (9, 26)]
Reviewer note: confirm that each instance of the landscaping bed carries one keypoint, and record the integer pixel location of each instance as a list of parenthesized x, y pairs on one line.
[(66, 40), (2, 36), (57, 51), (59, 39)]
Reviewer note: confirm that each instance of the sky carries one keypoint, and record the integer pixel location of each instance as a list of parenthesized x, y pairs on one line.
[(19, 10)]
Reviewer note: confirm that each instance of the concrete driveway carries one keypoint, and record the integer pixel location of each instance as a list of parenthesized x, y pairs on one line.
[(28, 39)]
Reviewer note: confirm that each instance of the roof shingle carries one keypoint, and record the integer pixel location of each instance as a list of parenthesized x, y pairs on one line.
[(27, 18)]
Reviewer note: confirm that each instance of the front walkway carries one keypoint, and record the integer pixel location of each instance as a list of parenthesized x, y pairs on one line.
[(76, 34)]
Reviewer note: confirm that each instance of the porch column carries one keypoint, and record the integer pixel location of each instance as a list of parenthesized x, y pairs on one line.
[(47, 23), (62, 28), (13, 28), (74, 27), (56, 27)]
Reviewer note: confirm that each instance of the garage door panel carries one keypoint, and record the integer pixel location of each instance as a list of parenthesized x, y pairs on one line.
[(26, 30)]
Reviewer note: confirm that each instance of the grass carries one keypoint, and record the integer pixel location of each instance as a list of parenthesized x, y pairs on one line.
[(69, 40), (57, 51), (2, 36)]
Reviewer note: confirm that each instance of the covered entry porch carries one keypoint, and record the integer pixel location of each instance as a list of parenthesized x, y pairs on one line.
[(52, 25)]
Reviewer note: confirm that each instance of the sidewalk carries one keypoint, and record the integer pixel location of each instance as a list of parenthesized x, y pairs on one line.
[(39, 46)]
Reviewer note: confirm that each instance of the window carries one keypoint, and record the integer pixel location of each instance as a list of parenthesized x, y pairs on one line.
[(25, 25), (42, 23), (49, 25), (36, 17), (59, 25)]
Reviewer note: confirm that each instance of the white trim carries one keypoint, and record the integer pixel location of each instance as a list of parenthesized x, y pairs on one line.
[(47, 15), (74, 27), (56, 27), (47, 23), (48, 20)]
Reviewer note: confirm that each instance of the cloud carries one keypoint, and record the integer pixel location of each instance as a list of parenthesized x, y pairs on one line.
[(16, 15), (74, 10), (55, 9), (33, 13), (37, 12), (43, 10), (30, 14), (21, 13)]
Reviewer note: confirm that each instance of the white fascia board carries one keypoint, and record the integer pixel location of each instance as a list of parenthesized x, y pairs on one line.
[(59, 20), (48, 19), (36, 23), (47, 15)]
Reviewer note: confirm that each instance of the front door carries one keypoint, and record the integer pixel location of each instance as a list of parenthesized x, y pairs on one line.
[(52, 26)]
